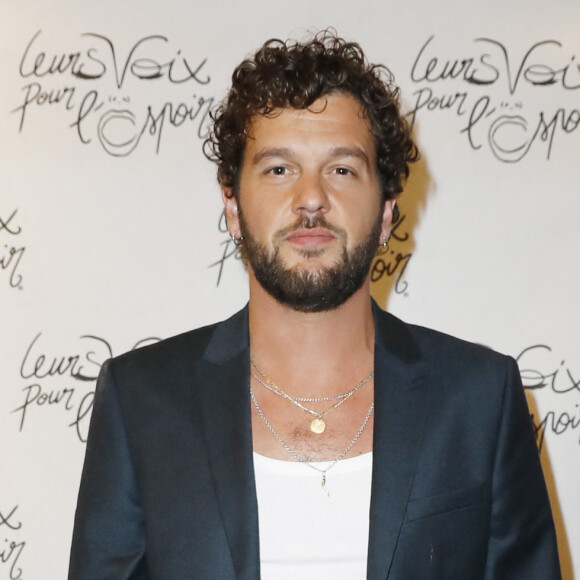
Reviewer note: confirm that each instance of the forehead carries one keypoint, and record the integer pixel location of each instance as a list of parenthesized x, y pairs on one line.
[(332, 121)]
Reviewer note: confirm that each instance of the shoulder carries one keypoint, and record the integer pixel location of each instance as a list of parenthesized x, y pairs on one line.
[(172, 354), (444, 354), (462, 352)]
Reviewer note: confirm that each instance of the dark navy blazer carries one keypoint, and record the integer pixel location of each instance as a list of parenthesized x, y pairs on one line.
[(168, 491)]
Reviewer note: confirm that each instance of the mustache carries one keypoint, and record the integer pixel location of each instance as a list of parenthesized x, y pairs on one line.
[(310, 222)]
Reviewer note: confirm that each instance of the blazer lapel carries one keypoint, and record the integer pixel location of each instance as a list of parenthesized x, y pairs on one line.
[(401, 403), (225, 405)]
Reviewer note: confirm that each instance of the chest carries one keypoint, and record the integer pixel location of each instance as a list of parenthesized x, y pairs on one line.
[(316, 431)]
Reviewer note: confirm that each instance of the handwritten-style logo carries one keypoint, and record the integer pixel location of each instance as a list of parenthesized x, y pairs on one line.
[(11, 252), (114, 97), (11, 550), (543, 371), (509, 125), (229, 251), (64, 381), (392, 263)]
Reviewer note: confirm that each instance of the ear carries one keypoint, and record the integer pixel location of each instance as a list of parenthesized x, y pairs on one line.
[(387, 219), (231, 209)]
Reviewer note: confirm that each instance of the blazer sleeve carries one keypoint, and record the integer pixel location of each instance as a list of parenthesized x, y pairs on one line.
[(522, 540), (109, 532)]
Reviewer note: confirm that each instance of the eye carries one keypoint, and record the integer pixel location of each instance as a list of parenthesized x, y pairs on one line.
[(278, 170), (343, 171)]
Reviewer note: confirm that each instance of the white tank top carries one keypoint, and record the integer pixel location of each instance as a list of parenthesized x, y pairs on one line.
[(305, 533)]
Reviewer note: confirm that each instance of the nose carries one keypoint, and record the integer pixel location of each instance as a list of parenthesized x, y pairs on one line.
[(310, 196)]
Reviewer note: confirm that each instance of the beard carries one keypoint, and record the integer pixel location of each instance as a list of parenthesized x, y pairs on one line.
[(303, 289)]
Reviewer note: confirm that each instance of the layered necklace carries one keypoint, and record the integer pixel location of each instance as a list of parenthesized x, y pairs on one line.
[(317, 425)]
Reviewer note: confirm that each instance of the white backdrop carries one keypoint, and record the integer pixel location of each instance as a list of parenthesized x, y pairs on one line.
[(111, 231)]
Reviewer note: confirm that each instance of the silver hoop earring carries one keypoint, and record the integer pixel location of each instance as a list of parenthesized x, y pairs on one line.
[(237, 241), (384, 247)]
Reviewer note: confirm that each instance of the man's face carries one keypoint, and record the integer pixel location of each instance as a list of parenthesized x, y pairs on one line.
[(309, 204)]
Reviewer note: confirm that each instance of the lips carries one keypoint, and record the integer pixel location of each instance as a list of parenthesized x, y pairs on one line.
[(311, 237), (508, 138), (118, 132)]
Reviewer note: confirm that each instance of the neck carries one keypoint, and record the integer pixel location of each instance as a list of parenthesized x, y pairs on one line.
[(321, 352)]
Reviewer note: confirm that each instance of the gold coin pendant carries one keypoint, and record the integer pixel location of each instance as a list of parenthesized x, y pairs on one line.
[(317, 425)]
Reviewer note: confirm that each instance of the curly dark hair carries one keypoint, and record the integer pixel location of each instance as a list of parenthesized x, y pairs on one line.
[(292, 74)]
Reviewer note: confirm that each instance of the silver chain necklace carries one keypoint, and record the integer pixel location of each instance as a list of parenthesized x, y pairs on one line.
[(276, 389), (317, 425), (322, 471)]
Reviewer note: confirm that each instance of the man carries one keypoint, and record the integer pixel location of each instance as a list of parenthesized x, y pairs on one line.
[(312, 434)]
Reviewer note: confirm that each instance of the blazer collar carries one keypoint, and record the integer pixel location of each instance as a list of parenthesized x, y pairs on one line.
[(223, 379), (401, 404)]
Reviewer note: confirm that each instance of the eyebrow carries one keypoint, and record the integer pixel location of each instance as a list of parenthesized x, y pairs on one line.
[(356, 152), (273, 152), (335, 153)]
